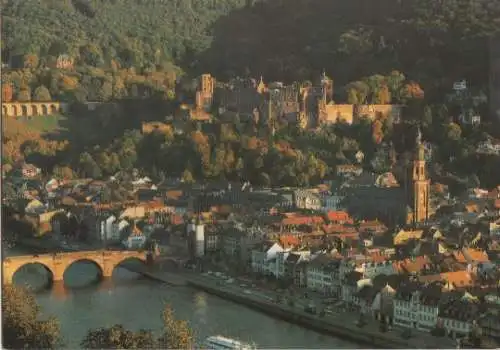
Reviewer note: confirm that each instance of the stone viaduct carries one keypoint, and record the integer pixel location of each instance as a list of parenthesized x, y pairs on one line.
[(31, 109), (57, 263)]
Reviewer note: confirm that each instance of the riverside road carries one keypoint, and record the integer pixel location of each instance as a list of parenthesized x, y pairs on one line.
[(136, 302)]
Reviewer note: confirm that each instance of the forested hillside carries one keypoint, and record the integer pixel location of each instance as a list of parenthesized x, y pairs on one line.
[(136, 32), (433, 42), (130, 51)]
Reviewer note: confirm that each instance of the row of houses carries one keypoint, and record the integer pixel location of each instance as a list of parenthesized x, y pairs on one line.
[(411, 293)]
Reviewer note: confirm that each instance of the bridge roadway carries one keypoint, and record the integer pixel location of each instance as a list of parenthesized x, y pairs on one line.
[(58, 263)]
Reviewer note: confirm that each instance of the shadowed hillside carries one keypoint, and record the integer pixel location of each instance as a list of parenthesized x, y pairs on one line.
[(432, 43)]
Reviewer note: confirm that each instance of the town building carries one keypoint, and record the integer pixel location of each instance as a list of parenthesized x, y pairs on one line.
[(416, 306), (421, 185)]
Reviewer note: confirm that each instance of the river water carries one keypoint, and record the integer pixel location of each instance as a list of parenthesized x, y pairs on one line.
[(81, 302)]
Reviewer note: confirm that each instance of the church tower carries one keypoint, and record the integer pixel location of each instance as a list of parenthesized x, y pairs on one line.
[(421, 185)]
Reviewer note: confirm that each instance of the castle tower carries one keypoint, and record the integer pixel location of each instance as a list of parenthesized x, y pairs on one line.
[(204, 97), (421, 185), (207, 84), (303, 118)]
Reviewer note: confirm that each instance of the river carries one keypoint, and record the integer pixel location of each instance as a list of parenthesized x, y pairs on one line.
[(81, 302)]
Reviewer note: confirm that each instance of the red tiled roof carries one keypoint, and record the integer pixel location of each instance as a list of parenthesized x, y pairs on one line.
[(377, 258), (338, 216), (289, 241), (302, 220), (415, 265), (475, 255), (339, 228), (346, 235), (372, 225)]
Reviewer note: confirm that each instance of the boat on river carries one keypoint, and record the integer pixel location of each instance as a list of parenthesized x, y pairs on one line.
[(218, 342)]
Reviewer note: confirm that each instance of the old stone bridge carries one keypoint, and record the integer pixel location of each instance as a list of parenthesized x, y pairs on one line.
[(57, 263)]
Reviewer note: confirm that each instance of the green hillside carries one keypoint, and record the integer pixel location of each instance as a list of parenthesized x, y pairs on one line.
[(432, 42), (138, 32)]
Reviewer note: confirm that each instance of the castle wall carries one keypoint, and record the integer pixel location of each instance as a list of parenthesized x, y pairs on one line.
[(373, 112), (336, 113)]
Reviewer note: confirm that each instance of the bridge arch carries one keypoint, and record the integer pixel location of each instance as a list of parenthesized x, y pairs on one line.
[(34, 110), (58, 263), (46, 267), (53, 109), (121, 262), (93, 262)]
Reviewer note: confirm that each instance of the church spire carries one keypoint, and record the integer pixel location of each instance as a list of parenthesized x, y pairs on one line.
[(261, 87), (420, 148)]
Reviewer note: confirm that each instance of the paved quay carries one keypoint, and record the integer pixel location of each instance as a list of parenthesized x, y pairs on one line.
[(340, 324)]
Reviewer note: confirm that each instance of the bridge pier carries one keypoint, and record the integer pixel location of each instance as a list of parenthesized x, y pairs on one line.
[(57, 269), (7, 278), (107, 270)]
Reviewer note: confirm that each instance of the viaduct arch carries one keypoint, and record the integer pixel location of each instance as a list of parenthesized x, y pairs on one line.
[(58, 263), (32, 109)]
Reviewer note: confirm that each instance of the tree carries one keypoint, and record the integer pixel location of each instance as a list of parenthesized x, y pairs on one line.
[(176, 333), (63, 172), (89, 167), (352, 97), (395, 82), (358, 92), (58, 48), (106, 91), (91, 55), (7, 92), (412, 91), (24, 94), (453, 131), (384, 95), (30, 61), (117, 337), (42, 94), (427, 117), (68, 83), (22, 328), (187, 177), (264, 180)]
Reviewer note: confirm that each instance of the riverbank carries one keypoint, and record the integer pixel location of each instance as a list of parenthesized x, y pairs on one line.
[(163, 277), (342, 325), (339, 328)]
